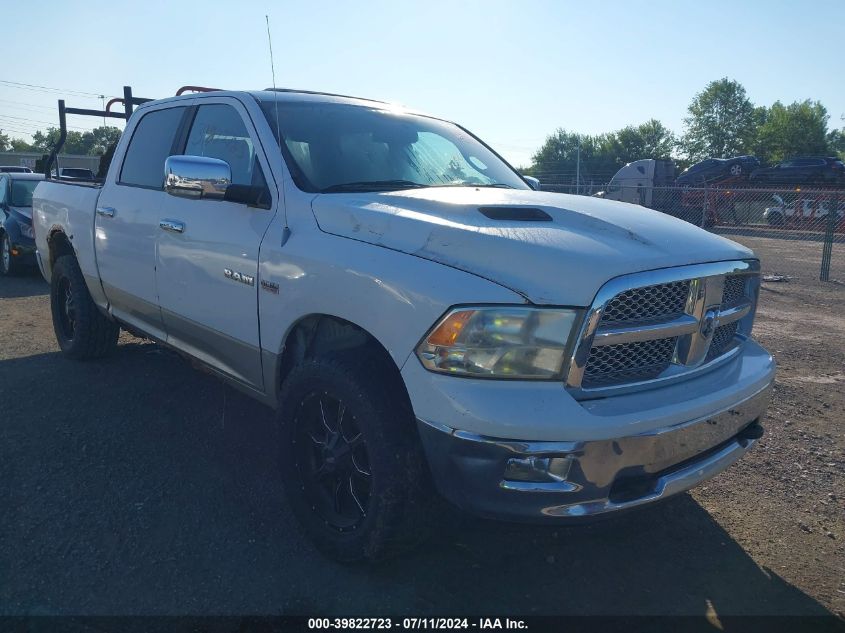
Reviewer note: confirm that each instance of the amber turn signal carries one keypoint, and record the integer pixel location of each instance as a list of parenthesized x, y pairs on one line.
[(450, 328)]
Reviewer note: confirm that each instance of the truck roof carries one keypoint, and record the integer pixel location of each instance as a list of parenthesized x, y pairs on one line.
[(288, 95)]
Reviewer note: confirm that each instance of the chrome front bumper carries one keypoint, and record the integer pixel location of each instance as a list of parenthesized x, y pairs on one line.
[(603, 476)]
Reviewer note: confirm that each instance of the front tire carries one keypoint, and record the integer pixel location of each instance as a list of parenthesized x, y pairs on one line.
[(351, 459), (82, 331)]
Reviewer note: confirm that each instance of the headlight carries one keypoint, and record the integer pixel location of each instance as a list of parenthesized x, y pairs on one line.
[(26, 230), (500, 342)]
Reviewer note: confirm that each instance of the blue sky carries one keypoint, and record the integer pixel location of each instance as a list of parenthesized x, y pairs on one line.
[(512, 72)]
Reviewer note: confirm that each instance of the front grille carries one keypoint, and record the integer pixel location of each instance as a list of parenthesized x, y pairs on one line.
[(628, 362), (655, 331), (734, 291), (722, 338), (649, 303)]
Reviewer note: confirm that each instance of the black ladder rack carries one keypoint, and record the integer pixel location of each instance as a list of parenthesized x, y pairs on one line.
[(128, 102)]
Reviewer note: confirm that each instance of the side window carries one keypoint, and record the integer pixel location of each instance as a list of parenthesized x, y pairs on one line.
[(4, 188), (150, 146), (218, 131)]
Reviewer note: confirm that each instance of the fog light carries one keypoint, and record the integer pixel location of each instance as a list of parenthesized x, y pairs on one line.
[(538, 469)]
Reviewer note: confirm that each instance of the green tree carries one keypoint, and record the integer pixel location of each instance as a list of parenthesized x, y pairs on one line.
[(556, 162), (20, 145), (5, 142), (45, 141), (722, 122), (797, 129), (100, 139), (836, 141), (94, 143), (651, 139)]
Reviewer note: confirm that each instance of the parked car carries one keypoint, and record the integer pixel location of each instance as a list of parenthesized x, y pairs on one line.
[(803, 171), (419, 317), (17, 246), (715, 170), (810, 211), (14, 169), (76, 172)]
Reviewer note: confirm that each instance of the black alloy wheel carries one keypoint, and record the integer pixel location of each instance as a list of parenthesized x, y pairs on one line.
[(333, 461), (351, 460)]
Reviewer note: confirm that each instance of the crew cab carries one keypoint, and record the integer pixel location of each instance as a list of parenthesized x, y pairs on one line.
[(421, 319)]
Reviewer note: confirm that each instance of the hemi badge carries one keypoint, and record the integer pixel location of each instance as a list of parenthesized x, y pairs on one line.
[(270, 286)]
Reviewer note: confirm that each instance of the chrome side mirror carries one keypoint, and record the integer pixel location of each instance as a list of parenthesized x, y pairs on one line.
[(533, 182), (196, 177)]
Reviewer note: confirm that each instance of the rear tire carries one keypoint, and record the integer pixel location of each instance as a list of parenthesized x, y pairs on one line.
[(8, 265), (351, 459), (82, 331)]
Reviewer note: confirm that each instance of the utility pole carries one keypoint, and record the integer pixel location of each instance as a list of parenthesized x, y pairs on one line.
[(578, 168), (103, 101)]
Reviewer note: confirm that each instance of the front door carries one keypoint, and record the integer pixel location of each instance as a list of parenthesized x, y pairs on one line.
[(207, 271)]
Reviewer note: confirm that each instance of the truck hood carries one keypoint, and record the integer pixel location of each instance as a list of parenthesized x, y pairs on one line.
[(559, 262)]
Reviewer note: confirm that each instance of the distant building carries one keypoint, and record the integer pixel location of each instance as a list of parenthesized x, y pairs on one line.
[(27, 159)]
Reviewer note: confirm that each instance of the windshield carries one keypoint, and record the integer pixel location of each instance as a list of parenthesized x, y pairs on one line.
[(22, 192), (332, 148)]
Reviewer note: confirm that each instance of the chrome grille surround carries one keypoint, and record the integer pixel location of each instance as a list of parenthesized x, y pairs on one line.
[(717, 316)]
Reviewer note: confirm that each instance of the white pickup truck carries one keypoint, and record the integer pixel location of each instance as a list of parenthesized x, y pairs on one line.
[(421, 319)]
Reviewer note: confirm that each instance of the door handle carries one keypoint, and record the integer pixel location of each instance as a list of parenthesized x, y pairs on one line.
[(173, 226), (107, 212)]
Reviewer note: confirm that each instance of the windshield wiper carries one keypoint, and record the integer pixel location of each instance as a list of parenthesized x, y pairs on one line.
[(498, 185), (373, 185)]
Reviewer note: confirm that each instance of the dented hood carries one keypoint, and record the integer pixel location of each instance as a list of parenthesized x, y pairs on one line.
[(561, 262)]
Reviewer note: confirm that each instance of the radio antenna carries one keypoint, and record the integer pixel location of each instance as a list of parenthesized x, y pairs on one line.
[(286, 230)]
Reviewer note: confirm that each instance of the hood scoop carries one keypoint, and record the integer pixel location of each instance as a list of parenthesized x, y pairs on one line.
[(516, 214)]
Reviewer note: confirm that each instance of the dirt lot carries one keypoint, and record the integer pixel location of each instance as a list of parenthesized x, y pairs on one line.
[(137, 485)]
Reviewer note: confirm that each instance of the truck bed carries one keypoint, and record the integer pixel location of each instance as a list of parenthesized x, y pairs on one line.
[(68, 206)]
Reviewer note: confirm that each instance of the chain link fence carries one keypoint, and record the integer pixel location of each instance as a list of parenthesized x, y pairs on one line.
[(798, 233)]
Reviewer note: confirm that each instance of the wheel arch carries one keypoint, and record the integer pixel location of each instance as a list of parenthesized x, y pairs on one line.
[(59, 244), (319, 334)]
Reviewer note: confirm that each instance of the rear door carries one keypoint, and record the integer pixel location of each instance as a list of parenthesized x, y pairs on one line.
[(127, 217), (208, 272)]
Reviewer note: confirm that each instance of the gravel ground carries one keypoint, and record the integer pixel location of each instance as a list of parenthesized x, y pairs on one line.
[(137, 485)]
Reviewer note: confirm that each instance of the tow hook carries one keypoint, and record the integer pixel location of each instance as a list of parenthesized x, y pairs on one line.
[(753, 431)]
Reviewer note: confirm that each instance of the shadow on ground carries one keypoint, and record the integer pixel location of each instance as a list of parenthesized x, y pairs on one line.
[(27, 284), (137, 485)]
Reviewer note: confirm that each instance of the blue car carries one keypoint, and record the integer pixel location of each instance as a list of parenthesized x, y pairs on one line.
[(17, 243), (715, 170)]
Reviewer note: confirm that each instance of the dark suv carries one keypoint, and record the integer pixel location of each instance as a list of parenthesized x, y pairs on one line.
[(803, 170), (714, 170)]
